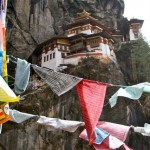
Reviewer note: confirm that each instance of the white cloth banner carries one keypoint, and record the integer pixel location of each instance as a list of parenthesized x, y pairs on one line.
[(50, 123), (55, 123), (143, 130), (19, 117)]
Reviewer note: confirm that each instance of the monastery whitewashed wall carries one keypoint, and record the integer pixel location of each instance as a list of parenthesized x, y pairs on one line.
[(93, 48), (55, 60), (88, 32), (69, 35), (132, 36), (102, 47), (73, 60), (107, 50), (59, 59)]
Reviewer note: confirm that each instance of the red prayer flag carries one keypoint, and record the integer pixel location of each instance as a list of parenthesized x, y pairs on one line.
[(117, 130), (91, 95)]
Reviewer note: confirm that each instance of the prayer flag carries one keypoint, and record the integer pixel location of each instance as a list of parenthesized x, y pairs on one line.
[(22, 76), (6, 94), (91, 96), (55, 124), (60, 83), (133, 92), (118, 134), (19, 117)]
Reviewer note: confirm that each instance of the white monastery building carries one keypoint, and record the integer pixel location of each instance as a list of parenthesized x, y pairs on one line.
[(86, 37), (135, 29)]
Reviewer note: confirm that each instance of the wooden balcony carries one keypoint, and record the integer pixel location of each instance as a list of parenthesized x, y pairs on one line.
[(76, 47)]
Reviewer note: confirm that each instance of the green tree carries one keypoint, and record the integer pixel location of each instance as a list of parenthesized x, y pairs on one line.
[(140, 57)]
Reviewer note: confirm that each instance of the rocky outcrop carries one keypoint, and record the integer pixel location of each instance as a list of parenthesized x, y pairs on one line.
[(30, 22)]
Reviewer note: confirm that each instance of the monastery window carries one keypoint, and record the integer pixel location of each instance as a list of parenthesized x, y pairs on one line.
[(63, 55), (50, 56), (94, 43), (54, 55), (44, 58), (47, 57), (58, 46), (63, 47)]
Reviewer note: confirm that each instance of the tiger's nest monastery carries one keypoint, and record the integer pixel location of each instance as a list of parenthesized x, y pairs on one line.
[(86, 37)]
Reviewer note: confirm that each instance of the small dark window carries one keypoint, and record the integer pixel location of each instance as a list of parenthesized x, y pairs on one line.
[(63, 55), (44, 58), (53, 55), (47, 57), (50, 56)]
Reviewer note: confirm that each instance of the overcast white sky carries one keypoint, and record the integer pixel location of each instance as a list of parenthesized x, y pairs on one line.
[(139, 9)]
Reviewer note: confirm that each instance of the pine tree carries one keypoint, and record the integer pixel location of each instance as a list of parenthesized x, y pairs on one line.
[(140, 57)]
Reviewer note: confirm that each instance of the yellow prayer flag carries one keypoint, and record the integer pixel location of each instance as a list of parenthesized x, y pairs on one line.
[(6, 94)]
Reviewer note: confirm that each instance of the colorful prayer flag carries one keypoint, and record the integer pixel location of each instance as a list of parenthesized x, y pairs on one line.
[(91, 95)]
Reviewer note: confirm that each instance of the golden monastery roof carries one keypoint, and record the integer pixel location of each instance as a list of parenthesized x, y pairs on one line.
[(84, 15), (84, 19)]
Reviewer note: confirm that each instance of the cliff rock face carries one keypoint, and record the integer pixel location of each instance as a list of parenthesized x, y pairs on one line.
[(30, 22)]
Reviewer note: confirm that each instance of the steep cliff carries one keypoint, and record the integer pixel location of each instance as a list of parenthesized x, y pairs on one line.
[(30, 22)]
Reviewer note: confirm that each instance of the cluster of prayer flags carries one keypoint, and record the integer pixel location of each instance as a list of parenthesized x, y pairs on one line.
[(91, 96), (51, 124), (109, 136), (112, 136)]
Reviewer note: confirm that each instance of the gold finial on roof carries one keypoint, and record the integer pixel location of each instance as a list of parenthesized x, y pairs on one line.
[(84, 13)]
